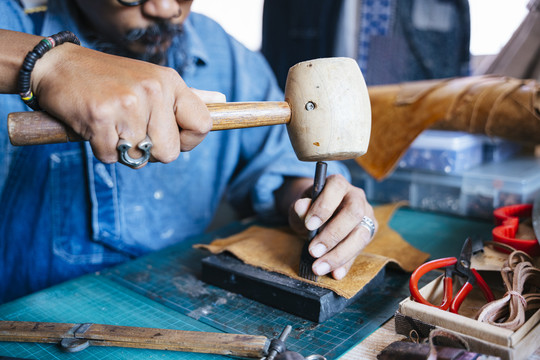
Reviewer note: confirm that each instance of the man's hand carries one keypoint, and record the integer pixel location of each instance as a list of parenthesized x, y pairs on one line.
[(338, 211), (105, 98)]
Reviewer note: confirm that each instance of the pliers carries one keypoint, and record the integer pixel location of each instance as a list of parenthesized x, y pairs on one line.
[(461, 267)]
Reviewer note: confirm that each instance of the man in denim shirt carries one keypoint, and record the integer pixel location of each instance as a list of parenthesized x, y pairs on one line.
[(70, 209)]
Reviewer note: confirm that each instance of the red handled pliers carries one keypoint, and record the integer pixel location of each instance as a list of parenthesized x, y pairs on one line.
[(461, 267)]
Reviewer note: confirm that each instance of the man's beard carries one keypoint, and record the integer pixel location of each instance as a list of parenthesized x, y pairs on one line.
[(156, 39)]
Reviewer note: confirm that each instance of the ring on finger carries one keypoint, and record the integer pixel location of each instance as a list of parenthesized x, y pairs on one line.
[(369, 225), (123, 147)]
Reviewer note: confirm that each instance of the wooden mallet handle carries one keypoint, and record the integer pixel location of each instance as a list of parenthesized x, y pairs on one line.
[(36, 128)]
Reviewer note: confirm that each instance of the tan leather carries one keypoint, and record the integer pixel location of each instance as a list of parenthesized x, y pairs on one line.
[(278, 250), (493, 105), (522, 281)]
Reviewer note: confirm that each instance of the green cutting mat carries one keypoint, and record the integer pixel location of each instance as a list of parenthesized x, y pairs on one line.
[(95, 299), (172, 277), (163, 290)]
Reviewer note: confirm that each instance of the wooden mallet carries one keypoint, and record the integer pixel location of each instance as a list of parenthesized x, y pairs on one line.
[(326, 109)]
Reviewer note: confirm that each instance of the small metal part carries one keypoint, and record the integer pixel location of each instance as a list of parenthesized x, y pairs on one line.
[(306, 260), (463, 264), (277, 346), (310, 105), (369, 225), (123, 147), (477, 245), (79, 331), (74, 344)]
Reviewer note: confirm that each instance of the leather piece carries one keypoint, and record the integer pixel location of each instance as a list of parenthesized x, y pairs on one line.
[(492, 105), (278, 250)]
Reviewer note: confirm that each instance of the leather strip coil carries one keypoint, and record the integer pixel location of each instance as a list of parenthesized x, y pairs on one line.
[(522, 281)]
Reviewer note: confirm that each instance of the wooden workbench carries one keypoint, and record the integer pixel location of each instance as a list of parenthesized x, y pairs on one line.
[(163, 290)]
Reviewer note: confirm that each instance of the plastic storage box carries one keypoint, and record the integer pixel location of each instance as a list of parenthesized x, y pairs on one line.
[(490, 186), (476, 192), (425, 191), (447, 152), (497, 149)]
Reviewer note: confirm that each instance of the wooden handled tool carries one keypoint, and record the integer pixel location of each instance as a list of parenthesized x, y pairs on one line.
[(326, 109), (76, 337)]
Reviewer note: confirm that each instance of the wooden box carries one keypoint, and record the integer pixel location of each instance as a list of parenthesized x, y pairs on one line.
[(482, 337)]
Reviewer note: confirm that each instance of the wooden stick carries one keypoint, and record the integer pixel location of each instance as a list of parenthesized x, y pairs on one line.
[(251, 346), (35, 128)]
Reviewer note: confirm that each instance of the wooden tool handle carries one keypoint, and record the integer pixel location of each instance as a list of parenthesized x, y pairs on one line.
[(251, 346), (35, 128)]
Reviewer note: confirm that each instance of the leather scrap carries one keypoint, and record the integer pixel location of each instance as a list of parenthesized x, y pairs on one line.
[(278, 250), (493, 105), (405, 350)]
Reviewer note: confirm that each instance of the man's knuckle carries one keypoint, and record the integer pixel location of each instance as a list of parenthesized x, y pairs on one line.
[(360, 192), (153, 88), (353, 212), (170, 73), (98, 112), (205, 125), (338, 181), (168, 157), (331, 238)]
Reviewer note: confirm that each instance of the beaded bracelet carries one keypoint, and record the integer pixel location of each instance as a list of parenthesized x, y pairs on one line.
[(39, 50)]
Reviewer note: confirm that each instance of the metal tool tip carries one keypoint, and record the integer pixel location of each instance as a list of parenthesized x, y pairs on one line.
[(306, 272)]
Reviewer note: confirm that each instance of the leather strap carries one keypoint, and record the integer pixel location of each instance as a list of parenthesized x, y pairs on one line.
[(522, 281)]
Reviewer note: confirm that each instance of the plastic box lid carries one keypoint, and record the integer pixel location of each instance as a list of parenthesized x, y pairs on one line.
[(519, 175), (449, 152), (445, 140)]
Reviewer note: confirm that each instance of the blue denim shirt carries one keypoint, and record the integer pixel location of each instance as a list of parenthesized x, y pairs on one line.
[(63, 213)]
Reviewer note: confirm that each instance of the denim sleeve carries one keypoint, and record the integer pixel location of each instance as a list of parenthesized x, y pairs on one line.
[(12, 17)]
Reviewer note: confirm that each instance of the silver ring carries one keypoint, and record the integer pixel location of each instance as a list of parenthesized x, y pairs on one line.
[(368, 224), (123, 147)]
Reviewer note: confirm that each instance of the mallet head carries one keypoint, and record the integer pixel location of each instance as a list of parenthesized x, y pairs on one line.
[(330, 109)]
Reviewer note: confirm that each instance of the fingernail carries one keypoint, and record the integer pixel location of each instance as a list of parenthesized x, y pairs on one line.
[(322, 268), (318, 250), (313, 223), (340, 273), (301, 207)]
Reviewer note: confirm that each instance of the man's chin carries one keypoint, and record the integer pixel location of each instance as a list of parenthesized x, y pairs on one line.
[(150, 52)]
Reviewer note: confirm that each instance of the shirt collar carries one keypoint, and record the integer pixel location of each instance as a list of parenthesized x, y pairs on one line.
[(196, 47)]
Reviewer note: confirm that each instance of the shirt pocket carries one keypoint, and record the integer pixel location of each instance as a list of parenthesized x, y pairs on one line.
[(71, 213)]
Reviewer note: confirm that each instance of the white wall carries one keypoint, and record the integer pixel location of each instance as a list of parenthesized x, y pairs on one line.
[(240, 18), (492, 21)]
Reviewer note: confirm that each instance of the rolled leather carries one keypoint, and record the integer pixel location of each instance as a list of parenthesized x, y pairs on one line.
[(498, 106)]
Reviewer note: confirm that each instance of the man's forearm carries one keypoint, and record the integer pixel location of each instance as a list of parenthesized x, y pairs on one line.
[(14, 47)]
